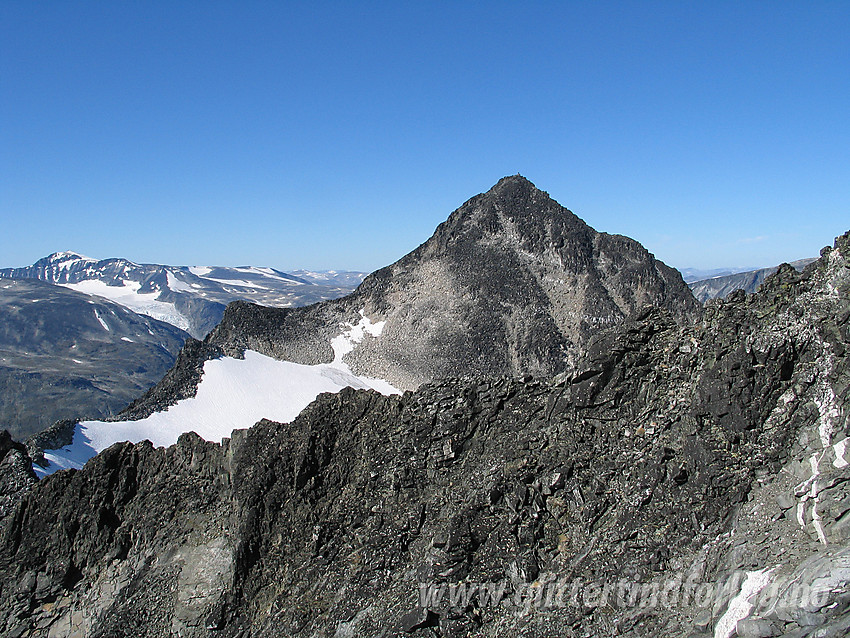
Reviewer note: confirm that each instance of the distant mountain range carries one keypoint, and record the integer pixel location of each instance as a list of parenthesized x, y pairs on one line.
[(691, 275), (81, 337), (65, 354), (720, 285), (191, 298)]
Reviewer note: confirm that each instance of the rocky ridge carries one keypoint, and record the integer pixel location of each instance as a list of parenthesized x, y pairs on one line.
[(710, 456)]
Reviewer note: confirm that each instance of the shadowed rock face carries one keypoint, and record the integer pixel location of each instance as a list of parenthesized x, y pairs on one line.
[(512, 283), (694, 452)]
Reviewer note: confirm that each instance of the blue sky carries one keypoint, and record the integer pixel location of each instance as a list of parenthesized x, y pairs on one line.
[(339, 134)]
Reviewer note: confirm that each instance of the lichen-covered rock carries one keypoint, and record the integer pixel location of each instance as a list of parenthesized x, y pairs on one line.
[(16, 475)]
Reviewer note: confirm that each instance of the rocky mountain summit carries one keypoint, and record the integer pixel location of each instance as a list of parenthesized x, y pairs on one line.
[(511, 283), (676, 480)]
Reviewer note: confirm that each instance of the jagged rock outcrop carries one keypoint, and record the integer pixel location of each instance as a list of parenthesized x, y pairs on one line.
[(512, 283), (16, 475), (710, 456)]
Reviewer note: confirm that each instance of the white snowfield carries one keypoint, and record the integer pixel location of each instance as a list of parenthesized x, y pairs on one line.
[(176, 284), (232, 394), (129, 296)]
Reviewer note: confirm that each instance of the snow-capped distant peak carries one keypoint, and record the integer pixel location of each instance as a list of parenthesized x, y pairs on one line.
[(67, 255), (192, 298)]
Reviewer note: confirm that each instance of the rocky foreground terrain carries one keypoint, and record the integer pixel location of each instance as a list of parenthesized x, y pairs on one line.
[(675, 480)]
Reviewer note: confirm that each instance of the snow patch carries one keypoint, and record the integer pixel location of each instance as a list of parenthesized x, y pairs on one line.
[(200, 271), (127, 339), (828, 409), (268, 273), (102, 322), (232, 394), (128, 295), (345, 343), (69, 255), (177, 285), (740, 606), (805, 493), (840, 448), (237, 282)]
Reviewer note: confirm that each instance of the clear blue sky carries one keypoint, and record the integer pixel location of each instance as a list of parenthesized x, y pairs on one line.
[(338, 135)]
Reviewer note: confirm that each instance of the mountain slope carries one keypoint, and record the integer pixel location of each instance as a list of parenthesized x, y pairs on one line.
[(749, 281), (706, 463), (67, 355), (192, 298), (512, 283)]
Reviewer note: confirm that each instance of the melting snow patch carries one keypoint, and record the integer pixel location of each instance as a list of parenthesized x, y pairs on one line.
[(269, 273), (828, 408), (840, 448), (177, 285), (102, 322), (233, 393), (237, 282), (344, 343), (200, 271), (740, 606)]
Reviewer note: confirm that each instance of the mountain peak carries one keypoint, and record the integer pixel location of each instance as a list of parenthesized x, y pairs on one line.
[(511, 283), (514, 181), (515, 187), (66, 255)]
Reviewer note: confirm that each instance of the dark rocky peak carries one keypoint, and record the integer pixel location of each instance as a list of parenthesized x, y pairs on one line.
[(511, 283), (515, 214), (523, 274)]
